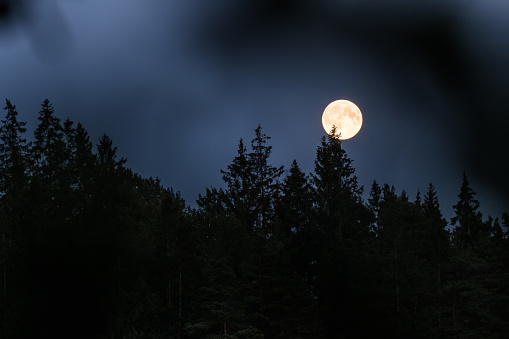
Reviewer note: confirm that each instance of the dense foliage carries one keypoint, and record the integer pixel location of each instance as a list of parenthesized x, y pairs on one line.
[(90, 249)]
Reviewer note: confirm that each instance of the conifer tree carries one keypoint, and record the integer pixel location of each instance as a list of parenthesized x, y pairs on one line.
[(48, 149), (402, 248), (296, 215), (220, 304), (13, 153), (338, 196), (296, 202), (50, 180), (418, 201), (107, 156), (468, 219), (13, 179), (264, 179), (343, 225), (434, 251), (82, 166), (374, 200), (436, 230), (238, 179), (469, 289), (252, 183)]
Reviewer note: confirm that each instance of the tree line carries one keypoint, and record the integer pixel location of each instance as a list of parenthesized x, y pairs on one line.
[(90, 249)]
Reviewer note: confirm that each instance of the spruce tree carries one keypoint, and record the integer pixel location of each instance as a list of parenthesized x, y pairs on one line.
[(338, 195), (374, 200), (220, 303), (469, 291), (468, 218), (238, 178), (435, 251), (253, 182), (436, 232), (107, 156), (13, 153), (48, 149), (13, 180), (82, 166), (296, 215), (343, 225), (296, 202), (264, 179)]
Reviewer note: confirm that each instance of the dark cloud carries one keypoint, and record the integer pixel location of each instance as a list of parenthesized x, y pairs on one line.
[(176, 84), (42, 22), (11, 10)]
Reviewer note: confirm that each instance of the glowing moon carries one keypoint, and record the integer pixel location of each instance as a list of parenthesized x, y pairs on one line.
[(345, 115)]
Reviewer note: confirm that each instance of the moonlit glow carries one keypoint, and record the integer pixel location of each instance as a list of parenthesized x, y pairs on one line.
[(345, 115)]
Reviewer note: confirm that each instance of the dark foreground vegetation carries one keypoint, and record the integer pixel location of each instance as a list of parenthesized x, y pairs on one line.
[(90, 249)]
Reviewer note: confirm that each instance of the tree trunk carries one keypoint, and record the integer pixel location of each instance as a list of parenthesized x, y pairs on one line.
[(454, 322), (4, 262), (396, 275), (438, 278), (180, 293)]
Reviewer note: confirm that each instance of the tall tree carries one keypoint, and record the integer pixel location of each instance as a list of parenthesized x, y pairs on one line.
[(471, 285), (50, 180), (338, 195), (107, 156), (48, 149), (13, 179), (220, 304), (402, 248), (435, 252), (468, 219), (252, 182), (297, 219), (343, 224), (13, 153), (295, 204), (83, 164), (436, 232), (374, 200), (264, 179), (238, 179)]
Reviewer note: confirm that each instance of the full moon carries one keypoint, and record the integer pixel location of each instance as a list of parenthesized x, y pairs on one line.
[(345, 115)]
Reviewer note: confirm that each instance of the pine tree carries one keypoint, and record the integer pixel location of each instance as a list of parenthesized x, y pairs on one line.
[(252, 183), (50, 180), (239, 181), (107, 156), (296, 202), (400, 247), (48, 149), (343, 225), (468, 219), (220, 305), (374, 200), (418, 201), (296, 216), (470, 288), (338, 196), (13, 153), (13, 179), (435, 253), (82, 165), (436, 232), (264, 179)]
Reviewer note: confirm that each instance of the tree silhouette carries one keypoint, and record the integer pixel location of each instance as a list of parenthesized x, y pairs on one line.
[(91, 249)]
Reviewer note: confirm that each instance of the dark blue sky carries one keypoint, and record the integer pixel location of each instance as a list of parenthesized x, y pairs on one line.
[(176, 84)]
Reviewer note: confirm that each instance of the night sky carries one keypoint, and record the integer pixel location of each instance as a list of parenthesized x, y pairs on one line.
[(177, 83)]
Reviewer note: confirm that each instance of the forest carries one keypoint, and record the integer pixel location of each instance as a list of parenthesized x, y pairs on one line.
[(90, 249)]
